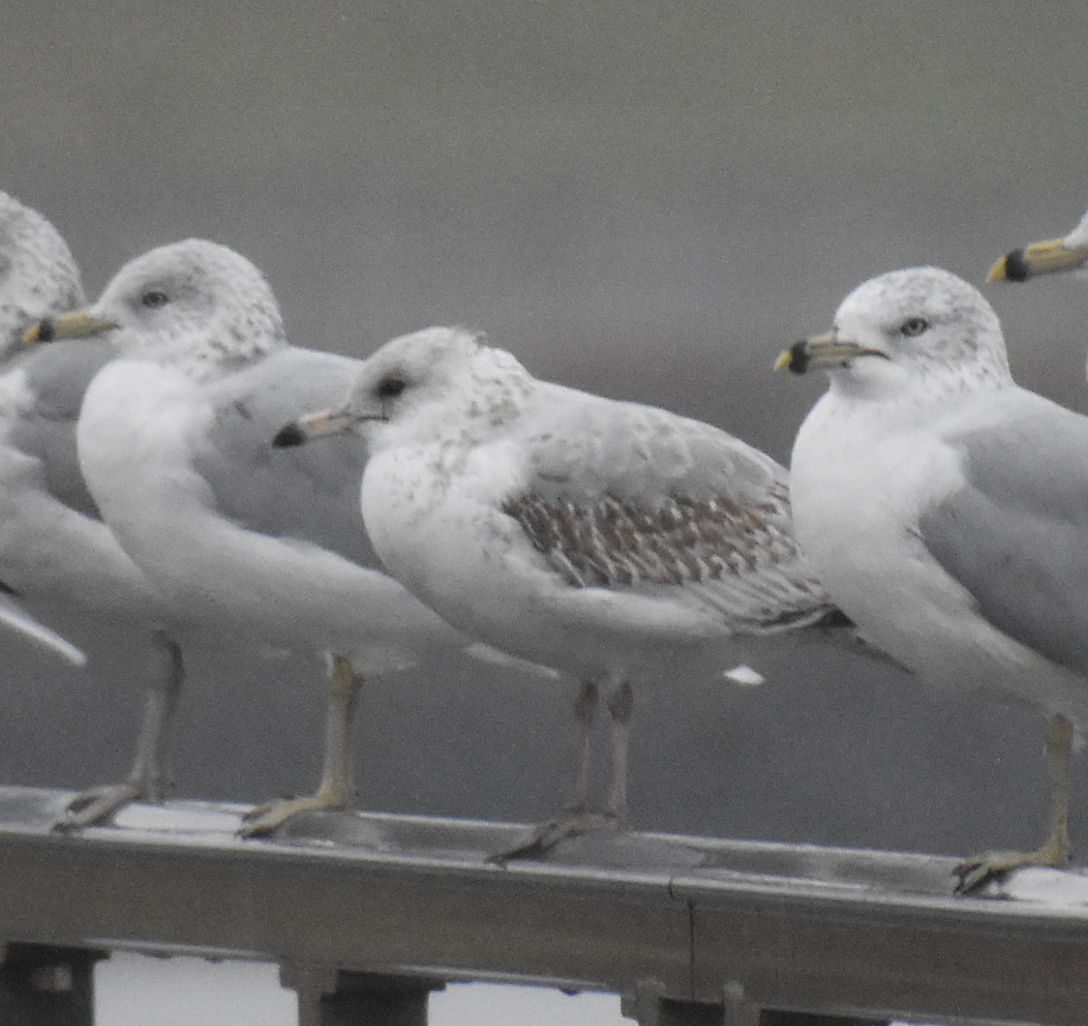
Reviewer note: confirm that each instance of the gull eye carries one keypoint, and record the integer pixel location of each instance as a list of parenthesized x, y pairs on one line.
[(390, 388), (912, 327), (154, 298)]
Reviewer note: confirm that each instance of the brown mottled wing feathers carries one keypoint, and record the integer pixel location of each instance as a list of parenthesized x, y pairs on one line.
[(613, 543), (627, 497)]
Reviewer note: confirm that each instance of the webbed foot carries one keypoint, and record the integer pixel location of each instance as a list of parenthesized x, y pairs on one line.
[(98, 805), (543, 837), (977, 871), (266, 819)]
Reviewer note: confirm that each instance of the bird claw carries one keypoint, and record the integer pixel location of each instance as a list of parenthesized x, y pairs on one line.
[(542, 838), (975, 872), (97, 805), (266, 819)]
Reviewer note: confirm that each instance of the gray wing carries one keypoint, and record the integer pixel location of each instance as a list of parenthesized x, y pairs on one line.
[(57, 376), (311, 492), (588, 445), (1016, 533), (624, 496)]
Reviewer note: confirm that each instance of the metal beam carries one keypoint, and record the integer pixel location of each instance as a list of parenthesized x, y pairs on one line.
[(666, 922)]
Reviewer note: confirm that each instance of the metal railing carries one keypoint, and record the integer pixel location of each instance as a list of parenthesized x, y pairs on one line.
[(366, 913)]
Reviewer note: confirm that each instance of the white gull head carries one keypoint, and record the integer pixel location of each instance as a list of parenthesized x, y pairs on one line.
[(196, 305), (913, 335), (38, 277), (436, 381)]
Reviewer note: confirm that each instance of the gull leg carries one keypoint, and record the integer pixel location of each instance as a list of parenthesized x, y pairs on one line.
[(1056, 850), (585, 708), (621, 704), (337, 789), (148, 777), (578, 817)]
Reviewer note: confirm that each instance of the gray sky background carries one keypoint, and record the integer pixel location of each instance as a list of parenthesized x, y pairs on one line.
[(644, 198)]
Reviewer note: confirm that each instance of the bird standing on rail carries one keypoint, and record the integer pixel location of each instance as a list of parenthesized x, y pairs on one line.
[(267, 546), (54, 547), (608, 539), (946, 509)]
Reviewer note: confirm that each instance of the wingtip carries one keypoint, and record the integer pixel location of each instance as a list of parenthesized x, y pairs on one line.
[(75, 657), (14, 616)]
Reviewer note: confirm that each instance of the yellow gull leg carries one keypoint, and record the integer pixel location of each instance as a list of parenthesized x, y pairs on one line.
[(337, 790), (149, 776), (1056, 851)]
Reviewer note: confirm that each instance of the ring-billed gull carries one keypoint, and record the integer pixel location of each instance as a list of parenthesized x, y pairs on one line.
[(174, 443), (38, 277), (54, 548), (1069, 253), (1051, 256), (600, 537), (946, 509)]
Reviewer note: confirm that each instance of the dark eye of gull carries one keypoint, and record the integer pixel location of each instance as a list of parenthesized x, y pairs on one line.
[(390, 388), (154, 298), (913, 326)]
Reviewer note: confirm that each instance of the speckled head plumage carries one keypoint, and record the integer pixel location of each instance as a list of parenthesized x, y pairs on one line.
[(193, 303), (426, 368), (917, 325), (937, 297), (38, 276)]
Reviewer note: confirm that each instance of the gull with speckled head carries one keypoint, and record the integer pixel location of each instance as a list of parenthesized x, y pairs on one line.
[(55, 549), (1050, 256), (259, 545), (946, 509), (604, 538), (38, 277)]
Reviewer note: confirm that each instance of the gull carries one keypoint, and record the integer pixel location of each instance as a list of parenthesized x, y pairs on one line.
[(173, 441), (1069, 253), (606, 539), (38, 277), (1051, 256), (945, 510), (54, 548)]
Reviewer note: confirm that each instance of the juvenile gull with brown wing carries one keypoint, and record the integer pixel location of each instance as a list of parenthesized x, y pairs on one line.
[(607, 539)]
